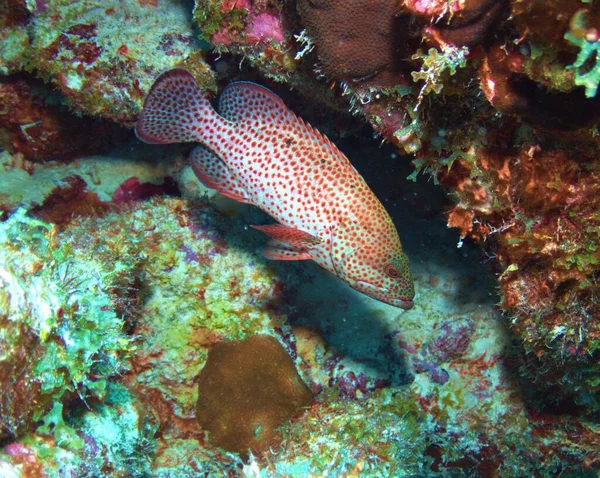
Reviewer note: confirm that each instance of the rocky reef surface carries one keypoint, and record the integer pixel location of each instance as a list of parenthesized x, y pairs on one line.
[(126, 285)]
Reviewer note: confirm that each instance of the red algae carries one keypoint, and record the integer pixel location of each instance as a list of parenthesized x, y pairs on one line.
[(68, 201)]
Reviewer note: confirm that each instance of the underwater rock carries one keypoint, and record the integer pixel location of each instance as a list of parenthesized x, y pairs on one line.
[(560, 42), (14, 37), (32, 125), (247, 390)]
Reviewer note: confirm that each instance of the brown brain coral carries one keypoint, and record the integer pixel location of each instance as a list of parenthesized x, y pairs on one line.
[(355, 39), (247, 390)]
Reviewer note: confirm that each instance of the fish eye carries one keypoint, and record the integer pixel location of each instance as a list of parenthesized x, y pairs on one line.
[(392, 271)]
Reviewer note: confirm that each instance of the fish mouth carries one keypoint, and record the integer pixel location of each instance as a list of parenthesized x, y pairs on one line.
[(380, 295), (402, 303)]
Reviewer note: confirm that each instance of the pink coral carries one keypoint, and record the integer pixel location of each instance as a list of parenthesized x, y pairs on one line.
[(266, 26)]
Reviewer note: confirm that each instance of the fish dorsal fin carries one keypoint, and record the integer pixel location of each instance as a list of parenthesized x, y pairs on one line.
[(332, 148), (244, 102), (214, 174)]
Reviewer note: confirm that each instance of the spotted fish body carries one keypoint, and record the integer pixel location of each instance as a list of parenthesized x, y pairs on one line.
[(257, 151)]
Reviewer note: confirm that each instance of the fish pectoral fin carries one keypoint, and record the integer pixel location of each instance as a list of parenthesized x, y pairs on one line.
[(297, 239), (281, 251), (215, 174)]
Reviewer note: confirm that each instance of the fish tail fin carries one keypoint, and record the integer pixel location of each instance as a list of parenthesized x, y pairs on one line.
[(176, 110)]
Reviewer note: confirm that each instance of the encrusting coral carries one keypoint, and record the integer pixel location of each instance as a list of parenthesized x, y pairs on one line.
[(247, 390)]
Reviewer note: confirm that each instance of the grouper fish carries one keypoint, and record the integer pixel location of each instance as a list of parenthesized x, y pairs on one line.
[(257, 151)]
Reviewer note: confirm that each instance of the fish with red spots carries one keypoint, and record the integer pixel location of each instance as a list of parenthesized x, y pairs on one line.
[(257, 151)]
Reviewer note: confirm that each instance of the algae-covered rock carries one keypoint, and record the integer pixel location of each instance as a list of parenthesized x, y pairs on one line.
[(116, 438), (61, 335), (103, 57)]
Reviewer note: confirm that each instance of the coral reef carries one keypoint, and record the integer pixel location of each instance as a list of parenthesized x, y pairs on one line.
[(114, 297), (103, 59), (429, 393)]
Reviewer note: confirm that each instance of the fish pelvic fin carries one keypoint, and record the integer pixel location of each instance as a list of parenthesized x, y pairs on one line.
[(281, 251), (288, 243), (176, 110), (215, 174)]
